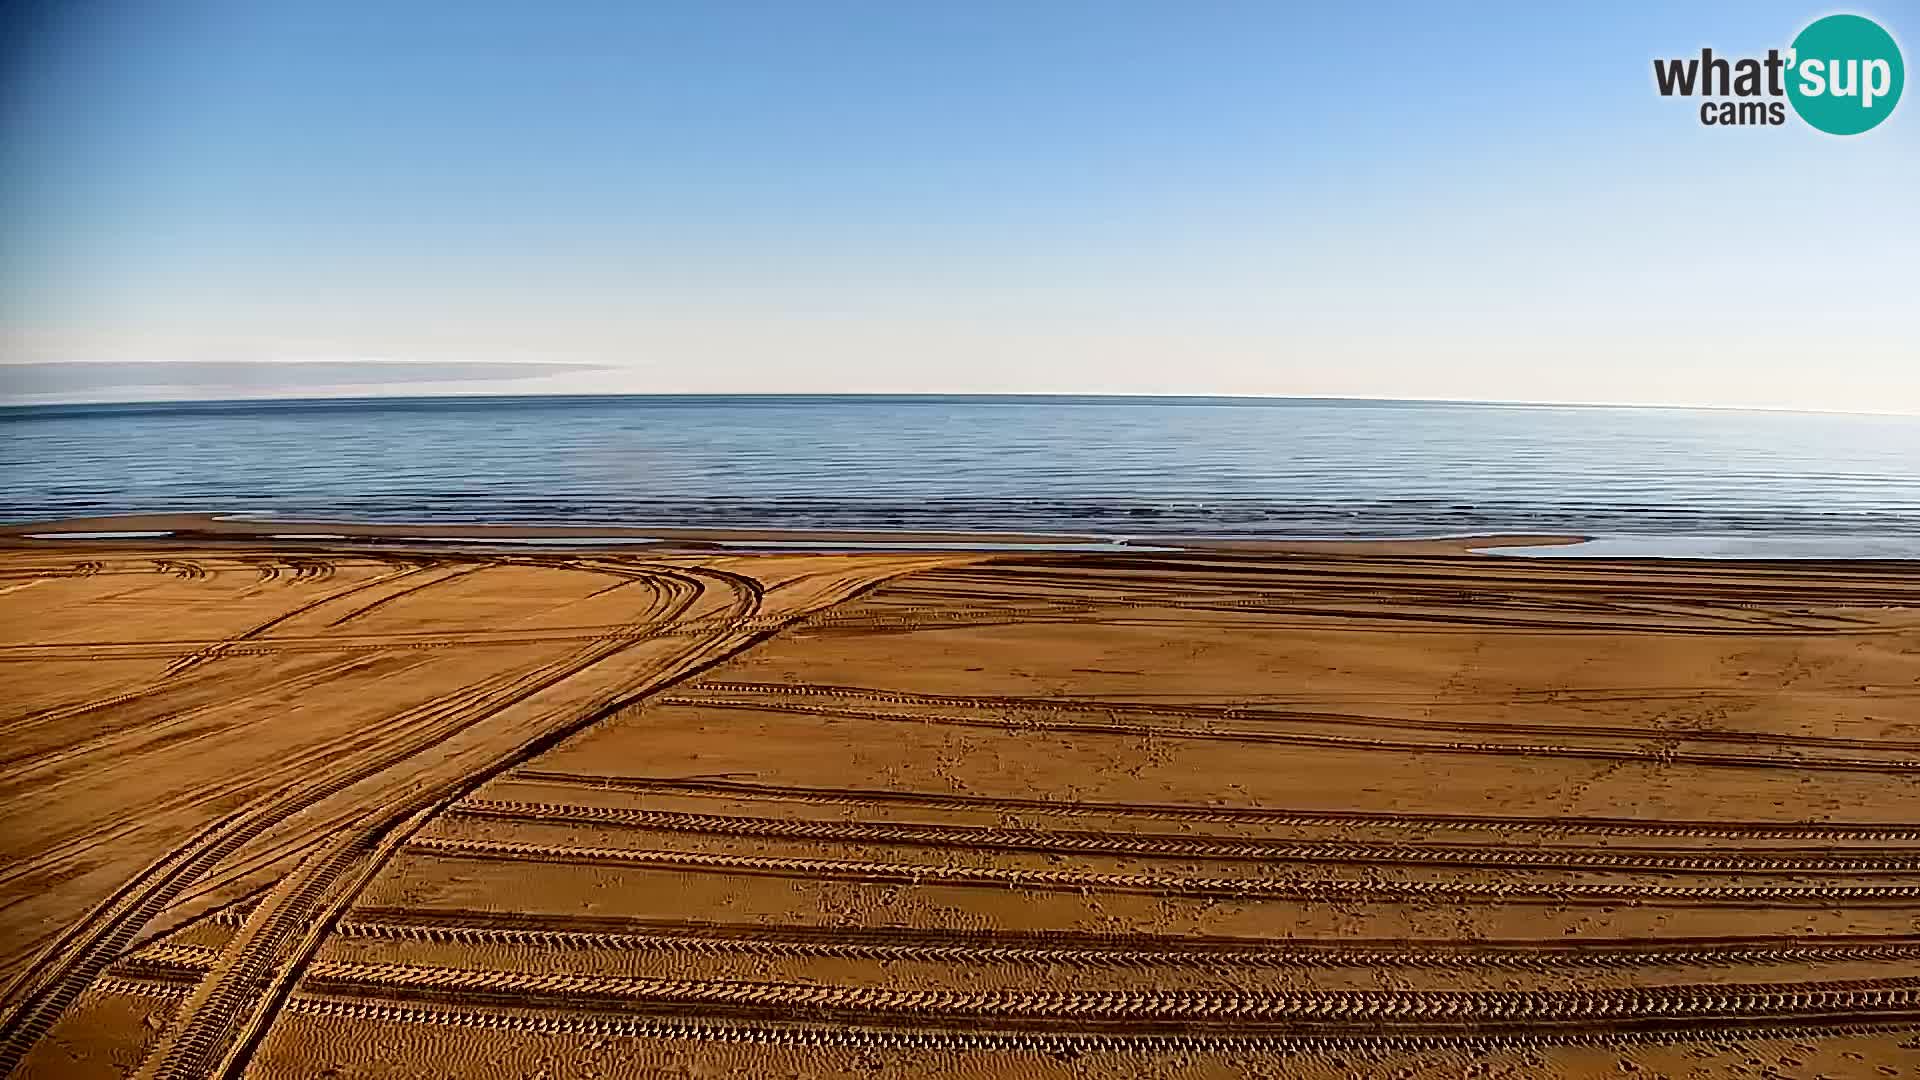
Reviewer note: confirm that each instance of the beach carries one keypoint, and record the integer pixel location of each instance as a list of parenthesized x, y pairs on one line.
[(383, 807), (1056, 542)]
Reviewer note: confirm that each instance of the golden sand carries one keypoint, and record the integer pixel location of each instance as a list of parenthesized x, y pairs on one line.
[(371, 809)]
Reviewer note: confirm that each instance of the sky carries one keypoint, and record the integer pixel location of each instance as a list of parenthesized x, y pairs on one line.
[(1472, 201)]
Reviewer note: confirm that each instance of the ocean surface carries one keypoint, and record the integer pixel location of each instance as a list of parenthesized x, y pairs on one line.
[(1647, 480)]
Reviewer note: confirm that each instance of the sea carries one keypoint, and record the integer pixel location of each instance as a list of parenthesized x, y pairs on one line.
[(1641, 481)]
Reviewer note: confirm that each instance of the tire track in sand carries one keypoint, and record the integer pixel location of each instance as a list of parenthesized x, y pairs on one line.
[(1312, 890), (1248, 815), (200, 1043), (1178, 846)]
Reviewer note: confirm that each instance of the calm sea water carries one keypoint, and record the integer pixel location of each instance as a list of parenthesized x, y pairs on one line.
[(1133, 467)]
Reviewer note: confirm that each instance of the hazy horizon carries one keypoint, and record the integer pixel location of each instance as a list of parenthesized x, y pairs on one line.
[(418, 388), (1475, 205)]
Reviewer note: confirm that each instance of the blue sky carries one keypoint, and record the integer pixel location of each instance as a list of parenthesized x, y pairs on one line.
[(1389, 200)]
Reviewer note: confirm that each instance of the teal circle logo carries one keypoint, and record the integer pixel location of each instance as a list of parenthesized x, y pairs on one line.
[(1845, 74)]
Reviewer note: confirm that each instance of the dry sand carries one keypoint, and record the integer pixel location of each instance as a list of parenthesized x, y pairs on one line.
[(293, 810)]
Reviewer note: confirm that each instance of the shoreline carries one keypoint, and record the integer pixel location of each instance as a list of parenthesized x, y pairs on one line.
[(216, 527), (219, 529)]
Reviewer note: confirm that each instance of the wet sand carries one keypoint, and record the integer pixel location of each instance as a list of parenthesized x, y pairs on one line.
[(370, 809), (205, 528)]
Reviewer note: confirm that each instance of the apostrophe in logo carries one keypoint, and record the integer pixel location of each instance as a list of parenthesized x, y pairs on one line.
[(1845, 74)]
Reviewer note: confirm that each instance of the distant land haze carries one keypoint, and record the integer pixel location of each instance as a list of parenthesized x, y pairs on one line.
[(57, 382), (204, 380)]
